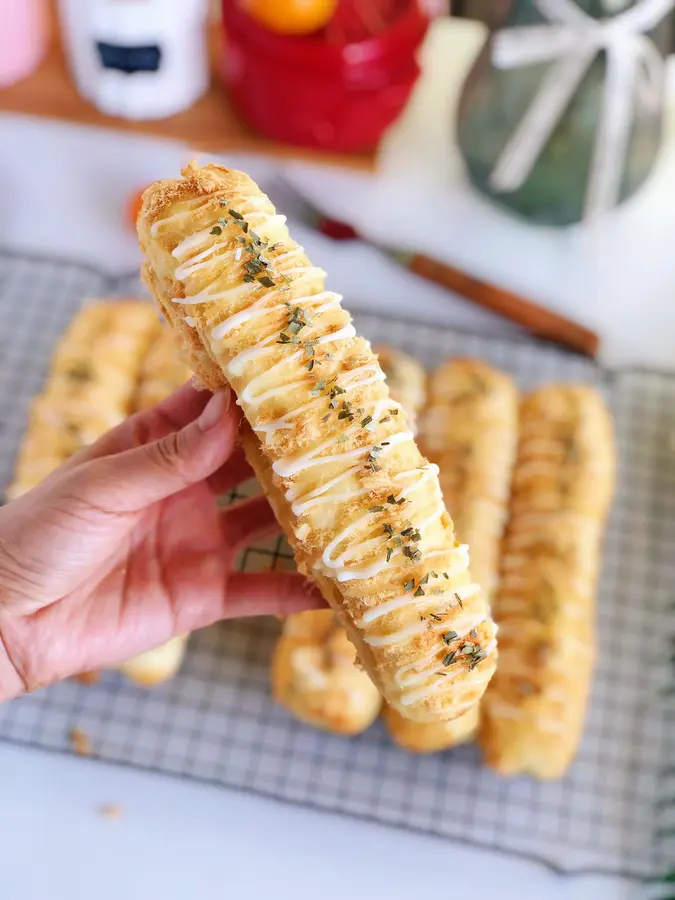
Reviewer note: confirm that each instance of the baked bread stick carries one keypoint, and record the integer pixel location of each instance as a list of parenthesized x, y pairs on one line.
[(469, 429), (533, 714), (89, 388), (334, 453)]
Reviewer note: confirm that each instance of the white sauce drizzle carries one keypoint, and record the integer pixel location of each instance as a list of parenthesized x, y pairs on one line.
[(442, 684), (196, 252), (463, 592)]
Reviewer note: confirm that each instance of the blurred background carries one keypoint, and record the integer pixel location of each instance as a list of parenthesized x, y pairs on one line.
[(489, 186)]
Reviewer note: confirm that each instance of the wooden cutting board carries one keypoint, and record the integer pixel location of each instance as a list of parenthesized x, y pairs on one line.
[(210, 125)]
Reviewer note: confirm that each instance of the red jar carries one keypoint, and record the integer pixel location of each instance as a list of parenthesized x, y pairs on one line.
[(311, 93)]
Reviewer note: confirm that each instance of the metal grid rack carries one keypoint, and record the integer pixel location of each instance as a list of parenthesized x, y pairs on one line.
[(216, 721)]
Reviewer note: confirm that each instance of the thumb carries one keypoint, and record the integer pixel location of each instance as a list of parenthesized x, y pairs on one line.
[(129, 481)]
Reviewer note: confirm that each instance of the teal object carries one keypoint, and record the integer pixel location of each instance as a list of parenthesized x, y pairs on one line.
[(495, 100)]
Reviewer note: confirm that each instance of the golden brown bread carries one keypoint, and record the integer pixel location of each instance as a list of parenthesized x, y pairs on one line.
[(163, 370), (89, 388), (406, 379), (430, 737), (532, 716), (314, 676), (469, 429), (335, 455)]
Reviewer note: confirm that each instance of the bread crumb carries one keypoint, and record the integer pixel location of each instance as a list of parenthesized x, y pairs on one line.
[(111, 811), (80, 742), (88, 677)]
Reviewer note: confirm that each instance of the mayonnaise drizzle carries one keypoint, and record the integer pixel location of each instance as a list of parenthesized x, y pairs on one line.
[(442, 684), (346, 383), (463, 592), (362, 555), (345, 572)]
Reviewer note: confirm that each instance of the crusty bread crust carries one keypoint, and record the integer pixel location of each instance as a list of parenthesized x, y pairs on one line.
[(359, 504), (532, 715)]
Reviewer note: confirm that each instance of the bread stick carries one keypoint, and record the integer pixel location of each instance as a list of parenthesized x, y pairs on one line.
[(89, 388), (469, 428), (335, 455), (163, 370), (532, 716)]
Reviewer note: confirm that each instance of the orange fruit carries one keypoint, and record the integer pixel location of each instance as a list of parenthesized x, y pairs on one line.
[(291, 16)]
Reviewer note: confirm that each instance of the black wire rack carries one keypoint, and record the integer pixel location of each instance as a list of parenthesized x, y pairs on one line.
[(216, 722)]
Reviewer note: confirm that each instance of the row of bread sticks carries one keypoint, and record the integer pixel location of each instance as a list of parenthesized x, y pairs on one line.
[(529, 484), (115, 358)]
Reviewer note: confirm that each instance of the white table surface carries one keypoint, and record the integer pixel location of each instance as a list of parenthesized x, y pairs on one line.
[(63, 193)]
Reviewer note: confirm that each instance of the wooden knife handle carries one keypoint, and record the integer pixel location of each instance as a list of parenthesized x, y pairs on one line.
[(541, 322)]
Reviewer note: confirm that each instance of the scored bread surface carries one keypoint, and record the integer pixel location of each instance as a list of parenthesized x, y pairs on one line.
[(533, 712), (360, 505)]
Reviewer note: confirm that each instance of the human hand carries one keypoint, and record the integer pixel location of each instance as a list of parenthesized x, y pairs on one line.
[(123, 546)]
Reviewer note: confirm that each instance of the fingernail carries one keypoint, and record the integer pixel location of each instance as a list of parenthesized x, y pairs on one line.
[(215, 410)]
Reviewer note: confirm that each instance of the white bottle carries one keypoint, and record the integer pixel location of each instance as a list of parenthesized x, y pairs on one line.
[(138, 59)]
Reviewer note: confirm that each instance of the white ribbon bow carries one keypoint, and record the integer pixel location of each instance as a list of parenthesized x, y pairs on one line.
[(571, 41)]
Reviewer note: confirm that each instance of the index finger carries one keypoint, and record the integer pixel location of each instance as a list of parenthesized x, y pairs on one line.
[(154, 423)]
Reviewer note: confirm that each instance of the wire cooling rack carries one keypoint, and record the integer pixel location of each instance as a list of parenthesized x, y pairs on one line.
[(216, 721)]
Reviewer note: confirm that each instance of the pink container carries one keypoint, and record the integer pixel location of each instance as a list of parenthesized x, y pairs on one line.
[(23, 38)]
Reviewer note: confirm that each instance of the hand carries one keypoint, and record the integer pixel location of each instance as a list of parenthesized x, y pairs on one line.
[(123, 546)]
